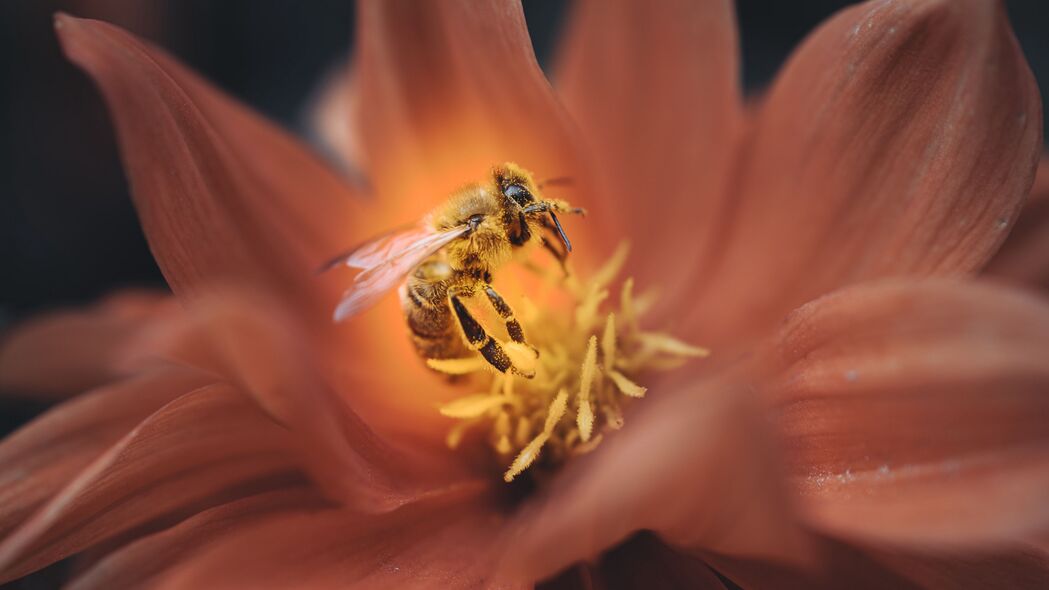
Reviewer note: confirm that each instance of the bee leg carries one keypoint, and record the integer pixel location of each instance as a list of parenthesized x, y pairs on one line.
[(559, 254), (480, 341), (513, 327)]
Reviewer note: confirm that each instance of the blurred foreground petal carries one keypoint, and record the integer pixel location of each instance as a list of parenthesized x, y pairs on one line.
[(206, 442), (141, 562), (41, 457), (251, 341), (692, 466), (68, 352), (445, 544)]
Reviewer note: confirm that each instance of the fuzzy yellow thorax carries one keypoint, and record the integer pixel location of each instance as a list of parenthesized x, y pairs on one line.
[(590, 356)]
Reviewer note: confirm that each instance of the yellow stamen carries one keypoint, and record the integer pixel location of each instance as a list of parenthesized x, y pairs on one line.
[(528, 455), (598, 354), (585, 416), (456, 366), (625, 385), (671, 345), (608, 343), (472, 406)]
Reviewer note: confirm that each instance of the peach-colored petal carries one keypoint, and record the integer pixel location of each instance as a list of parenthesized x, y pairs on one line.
[(866, 568), (1024, 257), (221, 193), (691, 466), (918, 412), (447, 90), (655, 91), (44, 455), (251, 341), (139, 563), (203, 443), (900, 139), (68, 352), (446, 544), (329, 118)]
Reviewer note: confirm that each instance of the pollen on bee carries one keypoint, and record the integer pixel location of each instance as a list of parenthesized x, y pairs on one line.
[(589, 363)]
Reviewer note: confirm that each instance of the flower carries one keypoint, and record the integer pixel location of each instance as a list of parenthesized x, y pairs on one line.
[(890, 431)]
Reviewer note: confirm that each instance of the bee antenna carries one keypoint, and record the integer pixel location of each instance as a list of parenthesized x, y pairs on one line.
[(561, 232), (556, 181)]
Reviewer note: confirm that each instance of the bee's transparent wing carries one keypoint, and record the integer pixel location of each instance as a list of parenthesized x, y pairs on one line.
[(389, 258), (380, 248)]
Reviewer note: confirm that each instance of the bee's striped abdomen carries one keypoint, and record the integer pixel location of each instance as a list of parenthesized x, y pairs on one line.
[(424, 299)]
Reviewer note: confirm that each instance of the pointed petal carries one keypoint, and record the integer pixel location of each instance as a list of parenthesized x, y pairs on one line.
[(918, 412), (1024, 257), (44, 455), (425, 545), (204, 443), (68, 352), (655, 91), (221, 193), (138, 564), (691, 466), (900, 139), (448, 90)]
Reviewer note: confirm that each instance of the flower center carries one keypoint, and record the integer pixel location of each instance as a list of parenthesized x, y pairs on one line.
[(588, 368)]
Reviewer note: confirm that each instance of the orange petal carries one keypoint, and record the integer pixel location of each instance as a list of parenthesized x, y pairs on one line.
[(44, 455), (900, 139), (447, 90), (655, 91), (691, 465), (918, 412), (251, 341), (139, 563), (1024, 257), (426, 545), (68, 352), (222, 194), (204, 443)]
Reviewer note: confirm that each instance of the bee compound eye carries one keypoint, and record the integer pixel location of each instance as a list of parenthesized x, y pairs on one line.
[(518, 193)]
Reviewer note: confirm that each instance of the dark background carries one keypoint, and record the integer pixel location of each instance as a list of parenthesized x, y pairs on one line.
[(67, 230)]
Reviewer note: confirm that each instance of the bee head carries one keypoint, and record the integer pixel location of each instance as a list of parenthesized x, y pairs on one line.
[(524, 210)]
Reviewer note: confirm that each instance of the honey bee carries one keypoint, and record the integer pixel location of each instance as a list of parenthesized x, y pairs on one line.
[(449, 256)]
